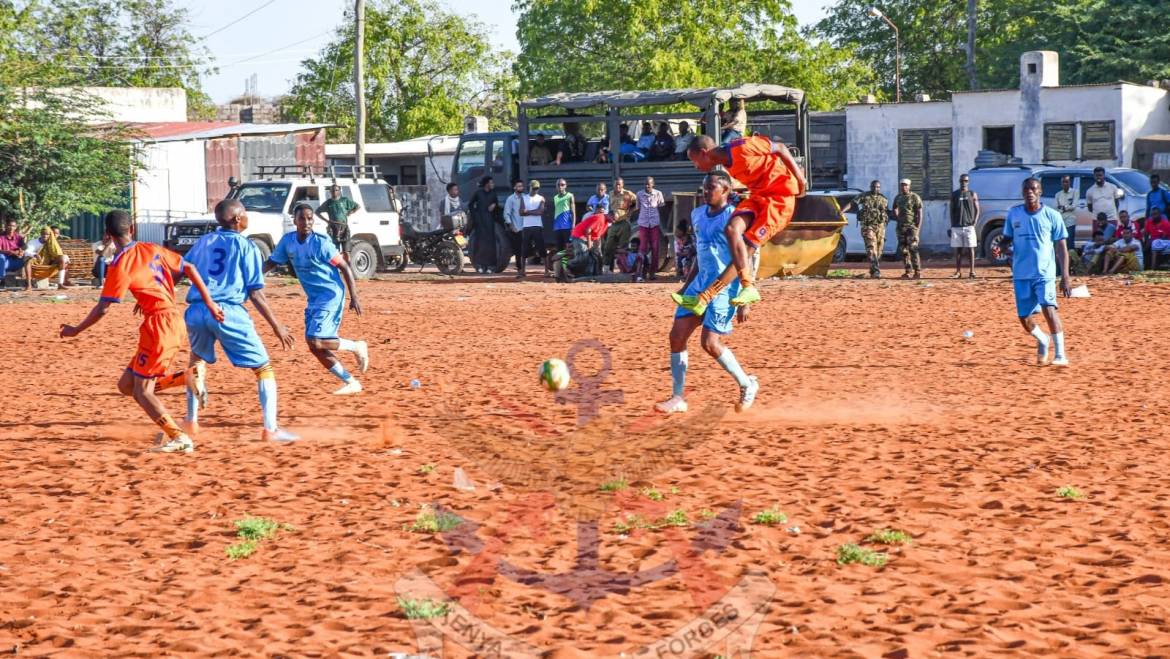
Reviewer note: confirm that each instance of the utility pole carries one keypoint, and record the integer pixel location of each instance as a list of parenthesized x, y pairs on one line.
[(359, 81), (971, 75)]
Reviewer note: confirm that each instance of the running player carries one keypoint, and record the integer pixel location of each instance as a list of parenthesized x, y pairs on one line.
[(148, 272), (321, 270), (713, 252), (233, 269), (1036, 233), (774, 181)]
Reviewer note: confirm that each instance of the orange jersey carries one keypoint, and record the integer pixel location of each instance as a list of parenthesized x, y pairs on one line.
[(763, 172), (148, 272)]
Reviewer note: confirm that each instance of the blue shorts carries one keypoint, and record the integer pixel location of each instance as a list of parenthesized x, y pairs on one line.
[(720, 314), (323, 322), (1032, 294), (236, 334)]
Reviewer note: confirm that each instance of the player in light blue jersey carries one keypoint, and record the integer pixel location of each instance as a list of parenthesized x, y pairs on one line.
[(713, 256), (321, 270), (234, 272), (1037, 235)]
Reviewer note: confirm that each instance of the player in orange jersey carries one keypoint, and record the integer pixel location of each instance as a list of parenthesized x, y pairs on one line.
[(774, 181), (148, 272)]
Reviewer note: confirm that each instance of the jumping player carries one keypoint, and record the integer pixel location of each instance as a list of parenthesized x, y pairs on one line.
[(149, 272), (233, 269), (321, 270), (713, 252), (1037, 232), (774, 182)]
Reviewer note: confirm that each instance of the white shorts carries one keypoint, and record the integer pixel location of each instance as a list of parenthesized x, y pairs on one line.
[(1160, 245), (963, 237)]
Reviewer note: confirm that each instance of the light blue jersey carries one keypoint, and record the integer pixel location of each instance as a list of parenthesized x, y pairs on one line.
[(229, 264), (1033, 236), (713, 255), (315, 261)]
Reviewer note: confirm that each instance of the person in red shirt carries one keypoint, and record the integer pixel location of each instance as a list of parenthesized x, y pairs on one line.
[(148, 272), (1157, 232), (774, 181), (585, 243)]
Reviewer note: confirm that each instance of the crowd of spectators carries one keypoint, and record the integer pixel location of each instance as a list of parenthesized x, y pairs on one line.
[(36, 259), (661, 143)]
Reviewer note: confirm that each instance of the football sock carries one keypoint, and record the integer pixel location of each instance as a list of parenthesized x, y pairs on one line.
[(192, 407), (170, 381), (169, 427), (1058, 341), (346, 345), (1041, 340), (338, 370), (678, 372), (712, 290), (266, 388), (729, 364)]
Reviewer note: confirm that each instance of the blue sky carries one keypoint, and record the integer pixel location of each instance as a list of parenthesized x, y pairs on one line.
[(272, 40)]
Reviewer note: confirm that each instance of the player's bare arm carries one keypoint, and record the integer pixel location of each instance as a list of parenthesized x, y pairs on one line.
[(261, 303), (1061, 248), (350, 285), (781, 150), (192, 273), (95, 314)]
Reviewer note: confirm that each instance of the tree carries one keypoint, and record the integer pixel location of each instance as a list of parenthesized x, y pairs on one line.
[(54, 162), (589, 45), (117, 43), (425, 69)]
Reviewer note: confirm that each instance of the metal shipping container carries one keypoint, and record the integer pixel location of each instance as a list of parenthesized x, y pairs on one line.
[(310, 148), (266, 150)]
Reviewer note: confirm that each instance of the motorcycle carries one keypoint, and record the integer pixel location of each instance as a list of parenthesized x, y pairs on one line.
[(443, 247)]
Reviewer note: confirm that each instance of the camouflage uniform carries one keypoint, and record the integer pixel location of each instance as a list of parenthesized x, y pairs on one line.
[(872, 215), (906, 209)]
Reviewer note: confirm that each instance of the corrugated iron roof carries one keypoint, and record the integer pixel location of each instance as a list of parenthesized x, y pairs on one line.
[(206, 130), (700, 97), (157, 131)]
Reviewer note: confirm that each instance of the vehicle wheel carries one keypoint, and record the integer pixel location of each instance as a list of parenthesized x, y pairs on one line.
[(839, 253), (262, 245), (449, 259), (993, 247), (363, 259)]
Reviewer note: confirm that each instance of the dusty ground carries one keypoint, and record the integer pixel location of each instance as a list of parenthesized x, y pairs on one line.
[(875, 413)]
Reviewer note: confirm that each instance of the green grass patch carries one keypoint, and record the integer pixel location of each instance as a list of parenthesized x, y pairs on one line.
[(851, 553), (240, 550), (890, 537), (426, 469), (839, 273), (652, 494), (252, 531), (769, 517), (422, 609), (1070, 492), (615, 485), (429, 521), (706, 513), (1152, 277), (676, 518)]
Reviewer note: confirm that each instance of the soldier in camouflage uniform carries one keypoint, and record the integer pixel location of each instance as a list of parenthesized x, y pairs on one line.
[(872, 214), (908, 213)]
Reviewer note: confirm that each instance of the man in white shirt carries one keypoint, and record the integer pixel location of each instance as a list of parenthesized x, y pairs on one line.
[(683, 141), (532, 235), (514, 221), (1102, 195), (1066, 205), (1125, 255)]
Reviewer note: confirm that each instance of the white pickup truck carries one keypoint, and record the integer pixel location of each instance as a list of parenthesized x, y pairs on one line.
[(269, 199)]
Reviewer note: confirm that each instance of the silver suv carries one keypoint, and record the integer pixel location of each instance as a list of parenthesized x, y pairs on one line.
[(999, 189)]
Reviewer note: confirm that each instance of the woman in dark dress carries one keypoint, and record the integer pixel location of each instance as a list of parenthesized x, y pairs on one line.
[(485, 241)]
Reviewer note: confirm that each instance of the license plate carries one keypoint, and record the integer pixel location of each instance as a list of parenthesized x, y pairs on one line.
[(186, 240), (461, 241)]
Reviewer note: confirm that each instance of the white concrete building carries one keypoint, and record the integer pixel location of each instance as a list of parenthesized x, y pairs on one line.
[(933, 142), (137, 104)]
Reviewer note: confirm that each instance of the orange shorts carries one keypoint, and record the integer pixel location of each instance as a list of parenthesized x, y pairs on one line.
[(770, 216), (160, 337)]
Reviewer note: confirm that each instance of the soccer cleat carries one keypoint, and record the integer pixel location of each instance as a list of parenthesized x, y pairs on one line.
[(747, 395), (747, 295), (675, 405), (199, 383), (692, 303), (279, 435), (1060, 360), (349, 388), (363, 356), (180, 444)]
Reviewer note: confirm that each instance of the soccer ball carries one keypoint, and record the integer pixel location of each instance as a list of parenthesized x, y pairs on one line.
[(554, 374)]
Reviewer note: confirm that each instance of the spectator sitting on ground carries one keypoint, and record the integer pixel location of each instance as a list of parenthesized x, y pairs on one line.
[(1123, 223), (539, 155), (1102, 224), (1157, 232), (627, 258), (46, 257), (663, 146), (103, 254), (684, 248), (1125, 255), (12, 246), (685, 135), (1091, 253)]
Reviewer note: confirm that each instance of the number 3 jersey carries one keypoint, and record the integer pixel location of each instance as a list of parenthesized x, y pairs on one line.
[(230, 265)]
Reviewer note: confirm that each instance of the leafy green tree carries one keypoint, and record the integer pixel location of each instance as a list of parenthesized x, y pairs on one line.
[(590, 45), (54, 161), (425, 69)]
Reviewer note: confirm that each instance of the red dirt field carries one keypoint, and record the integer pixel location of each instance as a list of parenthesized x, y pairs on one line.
[(874, 413)]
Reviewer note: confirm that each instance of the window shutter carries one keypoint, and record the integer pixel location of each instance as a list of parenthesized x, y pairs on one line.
[(1097, 140), (938, 161), (1060, 142)]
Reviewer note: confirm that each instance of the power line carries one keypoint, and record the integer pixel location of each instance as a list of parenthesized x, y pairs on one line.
[(202, 64), (233, 22)]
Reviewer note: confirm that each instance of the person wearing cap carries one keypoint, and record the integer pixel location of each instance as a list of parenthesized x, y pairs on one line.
[(532, 233), (908, 214)]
